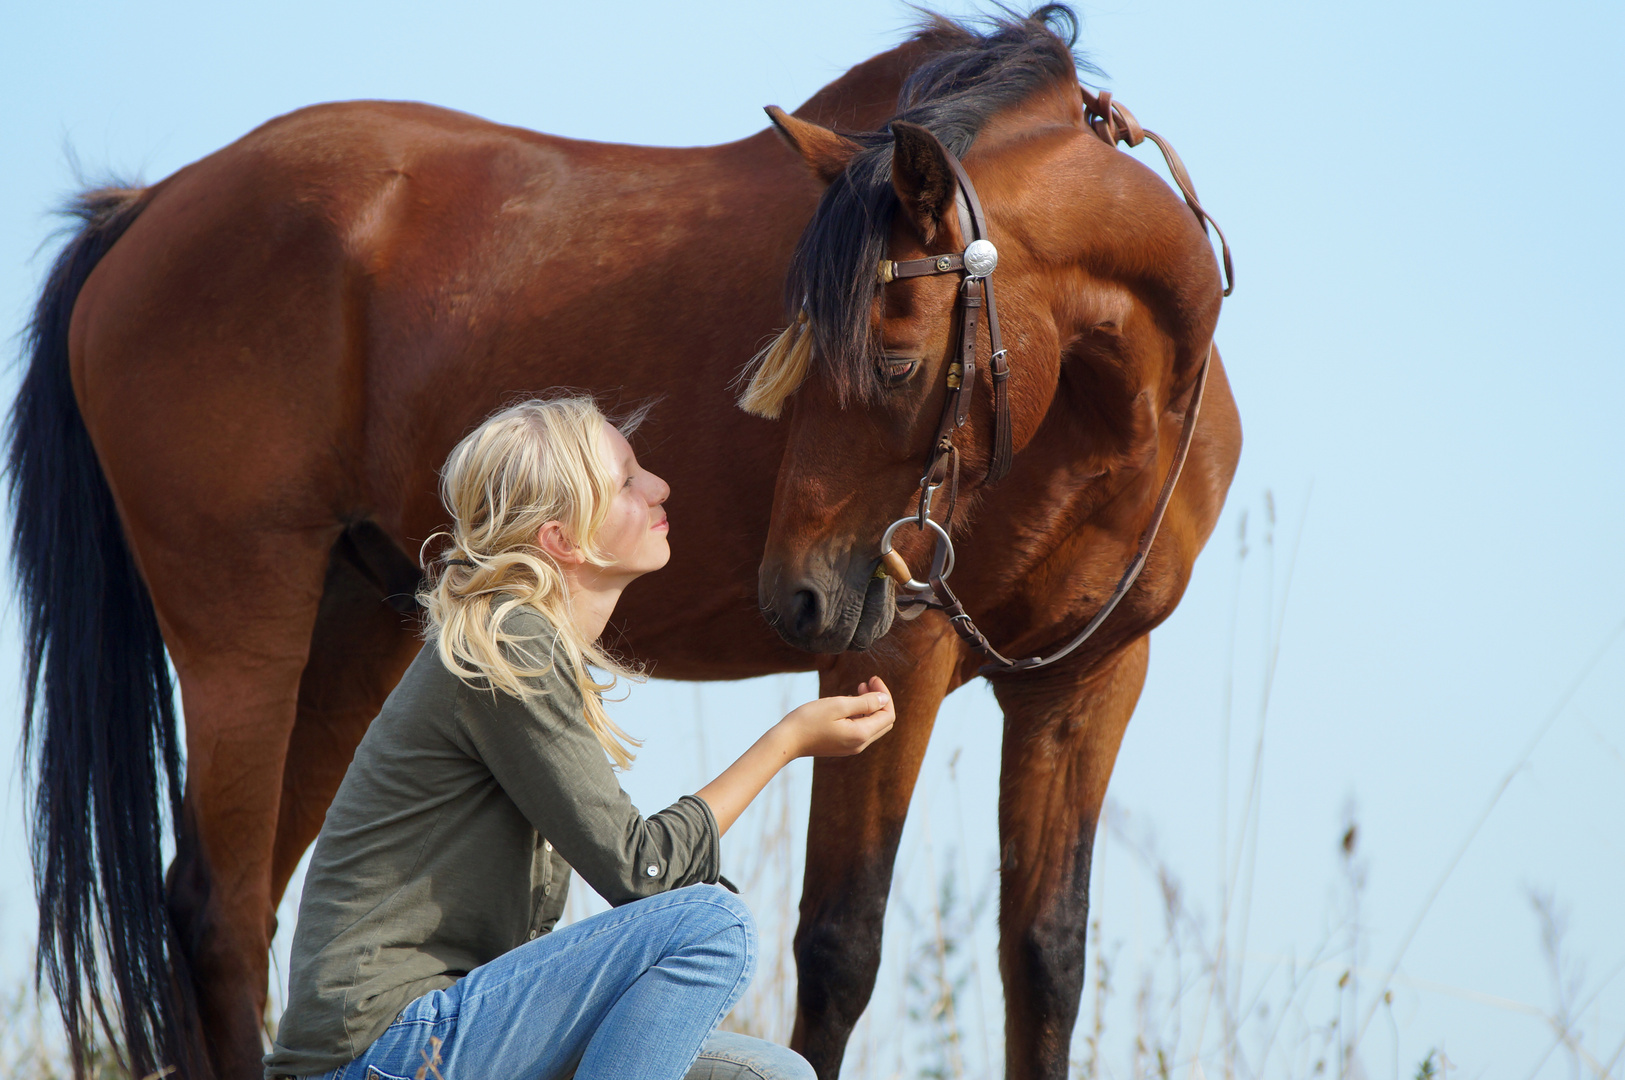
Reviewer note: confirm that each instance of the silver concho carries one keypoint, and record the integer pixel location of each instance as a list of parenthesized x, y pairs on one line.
[(980, 258), (943, 264)]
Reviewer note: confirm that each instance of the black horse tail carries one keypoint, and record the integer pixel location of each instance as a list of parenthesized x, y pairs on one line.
[(99, 719)]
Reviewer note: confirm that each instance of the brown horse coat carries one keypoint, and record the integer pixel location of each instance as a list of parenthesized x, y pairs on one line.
[(273, 349)]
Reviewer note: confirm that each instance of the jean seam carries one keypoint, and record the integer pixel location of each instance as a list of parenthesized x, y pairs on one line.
[(745, 972), (734, 919), (376, 1071), (422, 1020), (714, 1055)]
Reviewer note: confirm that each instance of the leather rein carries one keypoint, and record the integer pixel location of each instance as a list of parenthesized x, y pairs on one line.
[(1113, 123)]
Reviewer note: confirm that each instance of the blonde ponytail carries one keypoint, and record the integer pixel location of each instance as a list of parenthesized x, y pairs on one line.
[(528, 464)]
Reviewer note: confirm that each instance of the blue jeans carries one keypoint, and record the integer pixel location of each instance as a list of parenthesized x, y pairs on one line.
[(635, 992)]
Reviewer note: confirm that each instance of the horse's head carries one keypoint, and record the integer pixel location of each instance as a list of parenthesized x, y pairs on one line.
[(870, 371)]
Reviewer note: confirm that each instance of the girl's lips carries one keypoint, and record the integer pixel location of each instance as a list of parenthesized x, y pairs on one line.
[(662, 525)]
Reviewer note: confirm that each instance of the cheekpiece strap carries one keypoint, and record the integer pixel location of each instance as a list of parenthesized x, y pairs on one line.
[(970, 307)]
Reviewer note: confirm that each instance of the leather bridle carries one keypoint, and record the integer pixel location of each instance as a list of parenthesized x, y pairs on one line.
[(1112, 123)]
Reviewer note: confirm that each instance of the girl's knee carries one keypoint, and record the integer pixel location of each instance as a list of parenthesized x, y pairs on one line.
[(735, 905), (724, 923), (711, 906), (736, 909)]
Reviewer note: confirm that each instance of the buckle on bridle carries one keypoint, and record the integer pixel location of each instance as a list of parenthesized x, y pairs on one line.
[(926, 492)]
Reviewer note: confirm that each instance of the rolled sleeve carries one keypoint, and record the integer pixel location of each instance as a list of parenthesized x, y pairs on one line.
[(547, 760)]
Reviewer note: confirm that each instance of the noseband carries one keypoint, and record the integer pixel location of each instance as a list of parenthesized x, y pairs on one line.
[(1113, 123)]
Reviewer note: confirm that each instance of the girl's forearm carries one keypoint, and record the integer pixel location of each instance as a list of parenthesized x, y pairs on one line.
[(739, 783), (828, 727)]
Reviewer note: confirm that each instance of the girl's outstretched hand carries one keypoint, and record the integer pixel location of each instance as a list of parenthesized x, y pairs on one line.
[(828, 727), (841, 726)]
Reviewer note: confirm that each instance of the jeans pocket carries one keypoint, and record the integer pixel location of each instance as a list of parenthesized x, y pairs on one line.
[(375, 1073), (406, 1050)]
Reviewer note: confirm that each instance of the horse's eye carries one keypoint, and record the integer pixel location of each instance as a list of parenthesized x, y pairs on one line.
[(894, 373)]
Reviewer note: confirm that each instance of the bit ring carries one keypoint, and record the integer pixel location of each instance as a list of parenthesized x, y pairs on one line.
[(942, 538)]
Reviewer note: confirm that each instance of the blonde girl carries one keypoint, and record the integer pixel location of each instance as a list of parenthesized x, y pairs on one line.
[(426, 926)]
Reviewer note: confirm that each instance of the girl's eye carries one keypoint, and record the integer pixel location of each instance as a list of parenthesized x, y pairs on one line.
[(894, 373)]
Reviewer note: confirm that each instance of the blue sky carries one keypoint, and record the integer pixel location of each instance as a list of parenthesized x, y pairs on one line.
[(1423, 202)]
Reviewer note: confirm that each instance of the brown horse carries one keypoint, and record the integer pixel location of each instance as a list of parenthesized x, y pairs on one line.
[(244, 378), (1108, 298)]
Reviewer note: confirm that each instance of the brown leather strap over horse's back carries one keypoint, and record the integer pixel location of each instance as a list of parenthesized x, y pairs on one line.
[(1112, 121)]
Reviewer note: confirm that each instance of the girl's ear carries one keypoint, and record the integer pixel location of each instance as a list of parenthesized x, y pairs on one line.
[(552, 539)]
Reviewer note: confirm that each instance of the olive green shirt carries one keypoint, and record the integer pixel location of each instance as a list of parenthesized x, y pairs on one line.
[(450, 842)]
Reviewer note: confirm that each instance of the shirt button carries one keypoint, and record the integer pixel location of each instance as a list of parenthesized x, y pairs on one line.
[(547, 845), (534, 934), (653, 871)]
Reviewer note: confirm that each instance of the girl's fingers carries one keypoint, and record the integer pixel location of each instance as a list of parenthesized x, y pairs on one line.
[(875, 726), (874, 737), (854, 707), (872, 685)]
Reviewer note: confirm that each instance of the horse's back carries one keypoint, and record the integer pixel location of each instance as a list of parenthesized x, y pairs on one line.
[(298, 327), (368, 271)]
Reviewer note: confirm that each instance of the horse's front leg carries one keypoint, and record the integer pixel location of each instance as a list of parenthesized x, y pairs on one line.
[(1061, 734), (858, 807)]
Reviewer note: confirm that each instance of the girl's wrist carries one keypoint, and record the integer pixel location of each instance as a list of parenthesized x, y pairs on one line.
[(783, 740)]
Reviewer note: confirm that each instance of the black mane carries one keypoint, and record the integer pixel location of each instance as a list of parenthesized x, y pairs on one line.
[(969, 78)]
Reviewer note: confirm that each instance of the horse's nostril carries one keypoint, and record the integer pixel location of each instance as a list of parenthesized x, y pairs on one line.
[(806, 612)]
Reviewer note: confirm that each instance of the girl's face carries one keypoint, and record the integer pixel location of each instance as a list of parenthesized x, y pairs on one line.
[(634, 532)]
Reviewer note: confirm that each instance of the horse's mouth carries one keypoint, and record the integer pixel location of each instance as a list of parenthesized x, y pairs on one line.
[(843, 613), (875, 617)]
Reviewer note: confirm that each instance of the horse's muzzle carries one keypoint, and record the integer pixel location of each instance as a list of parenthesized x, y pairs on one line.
[(826, 609)]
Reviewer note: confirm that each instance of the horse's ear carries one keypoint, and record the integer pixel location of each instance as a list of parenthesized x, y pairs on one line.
[(826, 152), (922, 177)]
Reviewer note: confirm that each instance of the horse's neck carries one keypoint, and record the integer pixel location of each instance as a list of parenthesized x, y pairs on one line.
[(1081, 484), (761, 172), (866, 97)]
